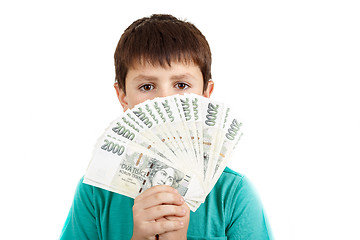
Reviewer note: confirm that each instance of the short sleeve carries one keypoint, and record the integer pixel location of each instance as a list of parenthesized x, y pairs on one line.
[(81, 220), (247, 218)]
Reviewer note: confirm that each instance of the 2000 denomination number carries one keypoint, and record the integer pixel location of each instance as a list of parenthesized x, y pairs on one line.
[(113, 147)]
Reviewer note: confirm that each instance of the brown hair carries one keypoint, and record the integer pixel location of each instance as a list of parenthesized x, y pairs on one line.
[(159, 40)]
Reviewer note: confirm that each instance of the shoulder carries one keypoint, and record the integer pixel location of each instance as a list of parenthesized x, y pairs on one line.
[(84, 192), (100, 197), (231, 174), (232, 181), (234, 193), (80, 222), (237, 190), (227, 170), (244, 211)]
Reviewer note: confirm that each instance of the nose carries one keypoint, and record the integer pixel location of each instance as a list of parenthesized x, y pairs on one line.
[(164, 92)]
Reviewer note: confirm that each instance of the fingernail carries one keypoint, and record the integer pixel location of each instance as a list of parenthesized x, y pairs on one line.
[(183, 211), (182, 199)]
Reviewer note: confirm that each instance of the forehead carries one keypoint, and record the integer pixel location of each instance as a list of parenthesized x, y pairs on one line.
[(171, 64), (169, 171), (175, 71)]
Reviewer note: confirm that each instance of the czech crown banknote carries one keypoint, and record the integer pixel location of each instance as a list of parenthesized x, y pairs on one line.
[(184, 141)]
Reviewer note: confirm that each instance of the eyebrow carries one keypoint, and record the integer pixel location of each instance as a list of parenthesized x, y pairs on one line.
[(153, 78), (145, 77), (181, 76)]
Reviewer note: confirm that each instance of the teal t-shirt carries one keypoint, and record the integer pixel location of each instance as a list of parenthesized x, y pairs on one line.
[(232, 210)]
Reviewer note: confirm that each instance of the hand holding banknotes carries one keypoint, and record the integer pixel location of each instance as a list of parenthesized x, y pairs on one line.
[(160, 210)]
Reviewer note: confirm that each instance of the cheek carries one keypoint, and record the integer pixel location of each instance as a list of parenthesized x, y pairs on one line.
[(157, 177), (135, 98), (198, 89)]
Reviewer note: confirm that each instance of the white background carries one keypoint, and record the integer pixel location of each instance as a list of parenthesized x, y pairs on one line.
[(291, 70)]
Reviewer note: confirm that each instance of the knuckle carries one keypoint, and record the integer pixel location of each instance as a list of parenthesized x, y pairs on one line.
[(175, 209), (166, 225), (176, 197), (158, 197), (142, 228), (157, 188), (159, 208)]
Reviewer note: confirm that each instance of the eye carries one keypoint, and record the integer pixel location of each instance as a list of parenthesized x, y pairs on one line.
[(182, 85), (146, 87)]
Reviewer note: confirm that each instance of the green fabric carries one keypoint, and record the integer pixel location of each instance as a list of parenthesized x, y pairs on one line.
[(232, 210)]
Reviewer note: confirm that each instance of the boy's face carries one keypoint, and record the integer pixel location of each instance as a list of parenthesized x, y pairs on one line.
[(145, 82)]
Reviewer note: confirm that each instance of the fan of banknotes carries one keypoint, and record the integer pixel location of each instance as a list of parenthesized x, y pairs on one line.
[(184, 141)]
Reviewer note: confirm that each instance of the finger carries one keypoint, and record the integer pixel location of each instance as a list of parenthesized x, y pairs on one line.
[(162, 211), (157, 228), (184, 218), (162, 198), (157, 189), (166, 226)]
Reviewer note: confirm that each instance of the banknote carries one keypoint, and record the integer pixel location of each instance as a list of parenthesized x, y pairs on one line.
[(231, 136), (129, 169), (184, 141), (132, 127), (189, 122), (212, 113), (176, 137), (176, 126)]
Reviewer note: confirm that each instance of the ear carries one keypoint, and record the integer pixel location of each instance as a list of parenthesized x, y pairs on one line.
[(210, 88), (121, 96)]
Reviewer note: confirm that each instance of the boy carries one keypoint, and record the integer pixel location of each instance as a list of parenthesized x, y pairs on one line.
[(157, 57)]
